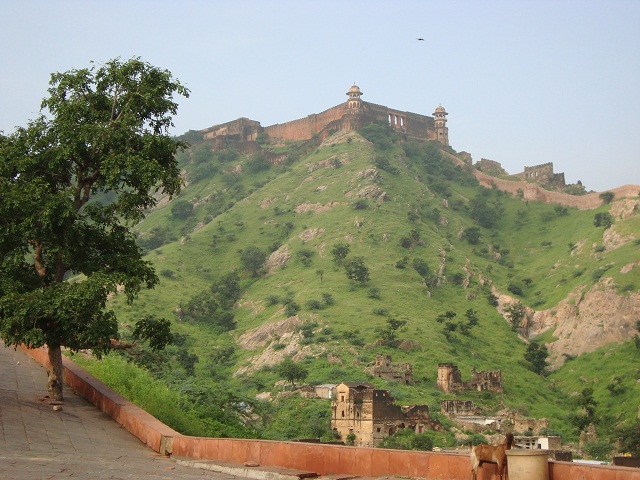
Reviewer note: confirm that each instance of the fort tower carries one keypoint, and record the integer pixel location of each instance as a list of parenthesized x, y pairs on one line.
[(442, 131)]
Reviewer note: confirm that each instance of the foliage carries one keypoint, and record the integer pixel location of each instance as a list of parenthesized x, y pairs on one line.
[(537, 355), (340, 251), (105, 137), (603, 219), (356, 270), (472, 235), (194, 410), (598, 450), (407, 439), (607, 197), (630, 436), (252, 260), (181, 209), (388, 334), (361, 204), (258, 163), (291, 371), (586, 413), (214, 307), (382, 135), (421, 266), (516, 312)]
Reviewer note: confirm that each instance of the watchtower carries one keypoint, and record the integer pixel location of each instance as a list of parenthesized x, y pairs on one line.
[(354, 104), (442, 131)]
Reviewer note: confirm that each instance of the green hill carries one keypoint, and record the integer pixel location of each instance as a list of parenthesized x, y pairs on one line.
[(431, 255)]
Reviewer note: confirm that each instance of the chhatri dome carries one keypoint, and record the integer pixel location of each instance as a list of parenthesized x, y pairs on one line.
[(354, 91)]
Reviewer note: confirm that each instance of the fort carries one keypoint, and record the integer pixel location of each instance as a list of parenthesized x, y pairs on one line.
[(349, 115), (538, 182)]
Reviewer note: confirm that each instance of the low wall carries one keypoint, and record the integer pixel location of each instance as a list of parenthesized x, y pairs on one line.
[(319, 458)]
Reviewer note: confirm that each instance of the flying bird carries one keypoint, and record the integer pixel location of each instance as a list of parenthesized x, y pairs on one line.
[(420, 39)]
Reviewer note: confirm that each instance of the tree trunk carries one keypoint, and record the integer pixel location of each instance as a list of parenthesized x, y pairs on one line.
[(54, 385)]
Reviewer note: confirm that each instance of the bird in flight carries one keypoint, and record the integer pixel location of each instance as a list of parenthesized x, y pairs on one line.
[(420, 39)]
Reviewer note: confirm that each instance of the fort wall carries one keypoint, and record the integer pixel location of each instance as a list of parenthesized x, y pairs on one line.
[(305, 128), (532, 191)]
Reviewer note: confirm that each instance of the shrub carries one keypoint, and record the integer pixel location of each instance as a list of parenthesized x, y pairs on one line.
[(402, 263), (181, 209), (328, 299), (291, 309), (361, 204), (314, 305), (515, 289), (607, 197), (420, 266)]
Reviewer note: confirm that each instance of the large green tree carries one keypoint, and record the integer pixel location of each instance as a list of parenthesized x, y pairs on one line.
[(72, 183)]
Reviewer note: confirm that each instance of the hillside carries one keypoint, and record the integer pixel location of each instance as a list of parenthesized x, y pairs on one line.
[(447, 260)]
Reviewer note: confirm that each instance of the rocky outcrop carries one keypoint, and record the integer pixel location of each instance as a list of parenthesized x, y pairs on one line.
[(584, 322)]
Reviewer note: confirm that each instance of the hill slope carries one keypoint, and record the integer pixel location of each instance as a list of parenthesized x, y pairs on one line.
[(446, 259)]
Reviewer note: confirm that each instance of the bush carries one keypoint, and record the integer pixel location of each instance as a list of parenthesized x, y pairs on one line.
[(607, 197), (515, 289), (291, 309), (314, 305), (598, 450), (181, 209), (374, 292), (420, 266), (361, 204)]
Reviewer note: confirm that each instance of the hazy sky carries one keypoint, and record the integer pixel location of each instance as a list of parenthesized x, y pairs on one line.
[(524, 82)]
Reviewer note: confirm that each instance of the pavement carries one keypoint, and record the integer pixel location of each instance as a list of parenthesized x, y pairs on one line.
[(79, 441)]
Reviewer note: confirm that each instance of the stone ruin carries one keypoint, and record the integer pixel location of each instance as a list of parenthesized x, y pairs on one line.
[(450, 379), (384, 367)]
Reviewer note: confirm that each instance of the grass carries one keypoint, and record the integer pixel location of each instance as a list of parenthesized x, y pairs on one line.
[(534, 249)]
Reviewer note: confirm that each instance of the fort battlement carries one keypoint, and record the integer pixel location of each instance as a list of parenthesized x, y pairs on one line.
[(530, 184), (350, 115)]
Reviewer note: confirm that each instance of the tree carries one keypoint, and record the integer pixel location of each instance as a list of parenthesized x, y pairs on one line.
[(72, 184), (291, 371), (356, 270), (252, 259), (181, 209), (388, 334), (607, 197), (472, 235), (537, 355), (340, 252), (603, 219), (516, 312)]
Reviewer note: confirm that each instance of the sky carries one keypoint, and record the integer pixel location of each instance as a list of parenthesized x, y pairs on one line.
[(524, 82)]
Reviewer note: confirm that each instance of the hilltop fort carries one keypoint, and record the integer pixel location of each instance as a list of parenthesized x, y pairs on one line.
[(538, 182), (349, 115)]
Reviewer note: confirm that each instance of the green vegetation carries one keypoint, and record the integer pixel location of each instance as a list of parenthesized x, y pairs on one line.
[(73, 183), (381, 246)]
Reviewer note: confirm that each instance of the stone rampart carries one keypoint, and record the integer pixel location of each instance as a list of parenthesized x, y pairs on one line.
[(532, 191), (305, 128)]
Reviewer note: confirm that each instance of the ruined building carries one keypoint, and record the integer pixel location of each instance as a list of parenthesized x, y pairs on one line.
[(350, 115), (543, 175), (383, 367), (364, 415), (450, 379)]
